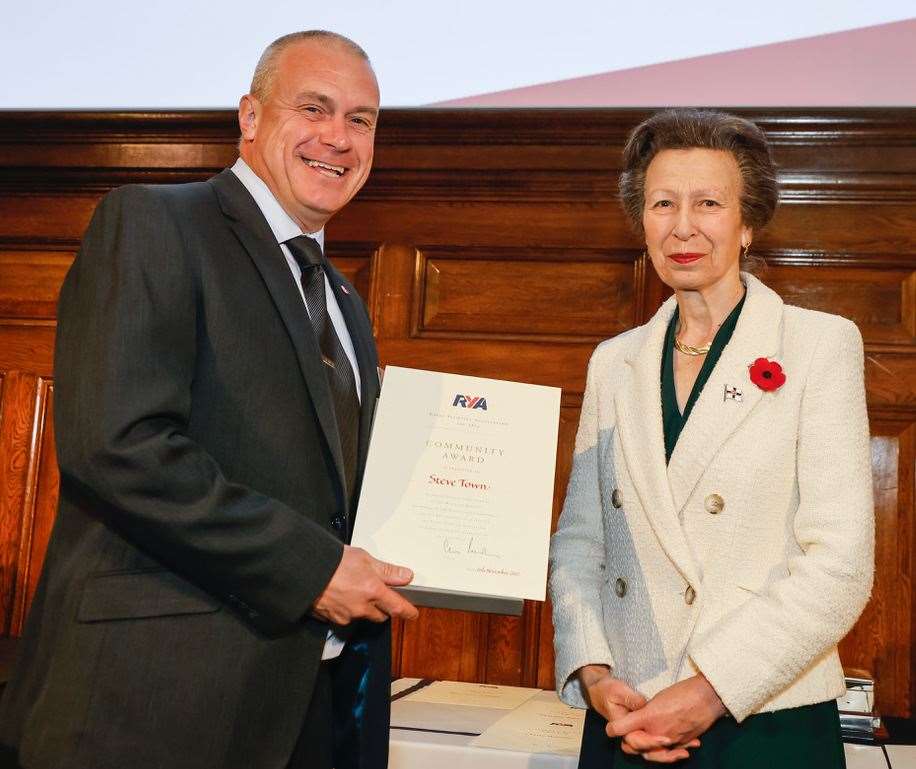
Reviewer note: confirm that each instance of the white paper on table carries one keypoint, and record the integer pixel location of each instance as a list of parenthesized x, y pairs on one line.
[(857, 701), (442, 719), (868, 757), (901, 756), (472, 695), (543, 724), (459, 482), (400, 684)]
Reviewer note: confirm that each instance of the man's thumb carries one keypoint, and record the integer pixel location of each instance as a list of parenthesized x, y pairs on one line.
[(392, 574)]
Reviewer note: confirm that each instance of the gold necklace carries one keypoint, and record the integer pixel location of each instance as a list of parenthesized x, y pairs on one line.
[(689, 349)]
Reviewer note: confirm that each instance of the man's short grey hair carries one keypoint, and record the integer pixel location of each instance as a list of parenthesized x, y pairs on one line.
[(266, 69)]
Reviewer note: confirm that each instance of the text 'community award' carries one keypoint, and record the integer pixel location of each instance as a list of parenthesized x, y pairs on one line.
[(459, 487)]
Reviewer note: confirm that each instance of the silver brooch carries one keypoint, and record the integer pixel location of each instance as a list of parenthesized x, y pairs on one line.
[(733, 393)]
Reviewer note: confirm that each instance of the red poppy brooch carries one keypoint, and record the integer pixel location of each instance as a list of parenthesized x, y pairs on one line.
[(767, 374)]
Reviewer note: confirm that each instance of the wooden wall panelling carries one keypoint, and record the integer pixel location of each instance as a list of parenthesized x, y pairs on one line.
[(354, 260), (881, 227), (29, 499), (27, 345), (47, 218), (40, 504), (30, 282), (526, 304), (490, 242), (512, 293), (570, 406), (30, 279), (424, 312), (890, 379), (814, 260), (17, 404), (889, 614), (875, 292), (66, 150), (444, 644)]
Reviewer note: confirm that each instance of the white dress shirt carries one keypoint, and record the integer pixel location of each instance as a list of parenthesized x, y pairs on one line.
[(284, 228)]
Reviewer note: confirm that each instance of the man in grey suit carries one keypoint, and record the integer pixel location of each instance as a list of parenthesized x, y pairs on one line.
[(215, 379)]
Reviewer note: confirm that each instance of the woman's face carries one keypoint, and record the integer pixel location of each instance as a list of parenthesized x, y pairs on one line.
[(692, 218)]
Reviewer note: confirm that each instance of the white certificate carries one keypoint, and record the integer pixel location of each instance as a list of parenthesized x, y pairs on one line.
[(472, 695), (459, 484), (542, 724)]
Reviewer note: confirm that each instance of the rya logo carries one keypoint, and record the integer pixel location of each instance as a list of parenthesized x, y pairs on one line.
[(469, 402)]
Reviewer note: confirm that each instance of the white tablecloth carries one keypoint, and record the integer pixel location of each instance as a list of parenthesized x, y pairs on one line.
[(429, 736), (415, 744)]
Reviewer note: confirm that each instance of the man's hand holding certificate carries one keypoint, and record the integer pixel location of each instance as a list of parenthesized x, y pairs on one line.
[(459, 487)]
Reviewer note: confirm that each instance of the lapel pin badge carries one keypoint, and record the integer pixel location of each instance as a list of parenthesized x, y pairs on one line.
[(345, 289), (733, 393)]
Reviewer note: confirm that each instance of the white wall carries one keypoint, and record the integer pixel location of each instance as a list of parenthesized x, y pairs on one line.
[(185, 54)]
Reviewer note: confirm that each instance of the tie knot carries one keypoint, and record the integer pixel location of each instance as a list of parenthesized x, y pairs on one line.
[(305, 251)]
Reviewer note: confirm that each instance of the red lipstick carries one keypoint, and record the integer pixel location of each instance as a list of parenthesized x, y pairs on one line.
[(685, 258)]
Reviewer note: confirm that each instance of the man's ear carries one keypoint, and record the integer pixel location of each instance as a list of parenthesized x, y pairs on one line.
[(249, 111)]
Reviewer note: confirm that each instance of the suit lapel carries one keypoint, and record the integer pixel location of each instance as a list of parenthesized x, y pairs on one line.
[(255, 235), (638, 404), (714, 418)]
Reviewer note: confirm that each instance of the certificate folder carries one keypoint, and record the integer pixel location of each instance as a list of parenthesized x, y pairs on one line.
[(459, 487), (454, 599)]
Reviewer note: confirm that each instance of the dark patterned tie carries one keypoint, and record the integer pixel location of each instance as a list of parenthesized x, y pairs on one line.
[(337, 367)]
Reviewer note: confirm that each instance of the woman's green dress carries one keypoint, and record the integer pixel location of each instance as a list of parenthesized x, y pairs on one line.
[(798, 738)]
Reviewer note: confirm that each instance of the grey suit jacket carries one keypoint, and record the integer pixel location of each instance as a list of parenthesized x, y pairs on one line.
[(201, 509)]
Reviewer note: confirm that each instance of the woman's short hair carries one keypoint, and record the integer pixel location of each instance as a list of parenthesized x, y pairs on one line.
[(684, 128)]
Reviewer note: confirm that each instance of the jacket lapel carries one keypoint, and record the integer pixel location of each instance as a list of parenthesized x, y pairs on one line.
[(255, 235), (638, 403), (714, 417)]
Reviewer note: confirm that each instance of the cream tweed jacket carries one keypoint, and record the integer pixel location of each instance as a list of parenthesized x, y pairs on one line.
[(648, 578)]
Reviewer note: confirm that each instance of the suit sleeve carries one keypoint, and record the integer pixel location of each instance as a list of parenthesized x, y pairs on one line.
[(773, 638), (576, 561), (124, 369)]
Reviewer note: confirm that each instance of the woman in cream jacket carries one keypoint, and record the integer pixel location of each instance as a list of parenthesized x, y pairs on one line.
[(717, 537)]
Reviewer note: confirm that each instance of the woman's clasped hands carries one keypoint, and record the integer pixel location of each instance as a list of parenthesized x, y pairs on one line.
[(662, 729)]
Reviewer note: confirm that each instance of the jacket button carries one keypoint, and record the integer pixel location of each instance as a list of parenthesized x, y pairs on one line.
[(714, 504), (620, 587), (615, 499), (690, 595)]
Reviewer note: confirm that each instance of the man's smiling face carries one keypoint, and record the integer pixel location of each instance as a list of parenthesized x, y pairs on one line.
[(310, 137)]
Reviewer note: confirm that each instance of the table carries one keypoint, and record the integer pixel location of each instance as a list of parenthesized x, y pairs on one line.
[(427, 736), (438, 736)]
